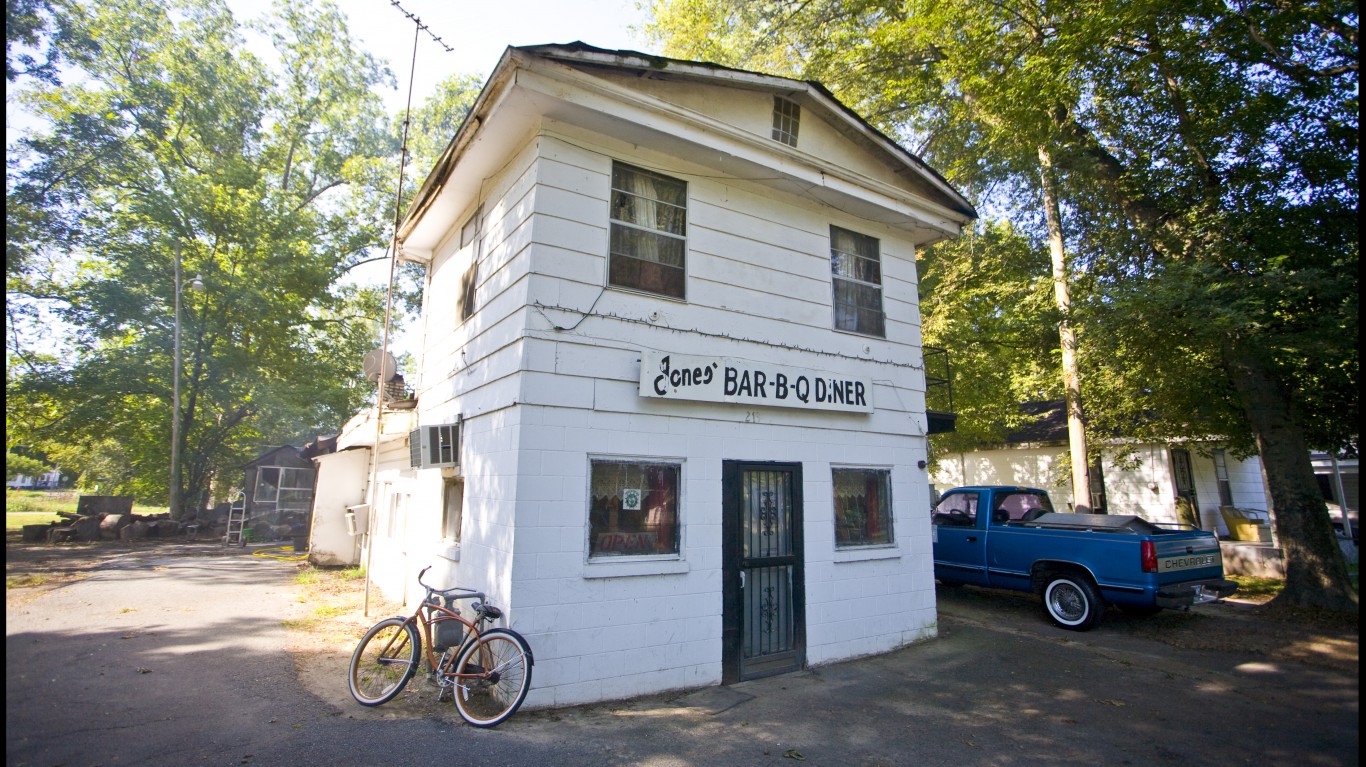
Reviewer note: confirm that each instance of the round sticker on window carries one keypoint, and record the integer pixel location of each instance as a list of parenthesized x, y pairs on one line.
[(630, 500)]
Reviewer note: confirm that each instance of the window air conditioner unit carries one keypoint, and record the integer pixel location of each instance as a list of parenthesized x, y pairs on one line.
[(432, 446)]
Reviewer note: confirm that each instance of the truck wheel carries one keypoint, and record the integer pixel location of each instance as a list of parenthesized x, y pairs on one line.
[(1072, 602)]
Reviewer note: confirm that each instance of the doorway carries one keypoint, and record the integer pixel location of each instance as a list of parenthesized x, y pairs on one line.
[(764, 614), (1184, 477)]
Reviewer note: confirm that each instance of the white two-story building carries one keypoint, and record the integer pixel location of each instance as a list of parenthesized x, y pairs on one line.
[(671, 399)]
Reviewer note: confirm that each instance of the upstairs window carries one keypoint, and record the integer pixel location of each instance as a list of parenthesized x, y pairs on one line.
[(787, 117), (856, 269), (470, 233), (649, 219)]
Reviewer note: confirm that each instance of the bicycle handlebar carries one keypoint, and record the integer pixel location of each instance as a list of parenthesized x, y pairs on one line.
[(472, 594)]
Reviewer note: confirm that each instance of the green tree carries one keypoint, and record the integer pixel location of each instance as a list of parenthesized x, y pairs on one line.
[(1205, 156), (987, 297), (172, 140), (16, 464)]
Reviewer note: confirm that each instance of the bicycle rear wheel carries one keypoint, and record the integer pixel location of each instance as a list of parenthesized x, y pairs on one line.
[(383, 662), (500, 668)]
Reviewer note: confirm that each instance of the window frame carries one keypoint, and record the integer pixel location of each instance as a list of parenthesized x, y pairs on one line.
[(887, 510), (1222, 482), (616, 225), (836, 278), (641, 462), (471, 233), (787, 121), (452, 488), (280, 485)]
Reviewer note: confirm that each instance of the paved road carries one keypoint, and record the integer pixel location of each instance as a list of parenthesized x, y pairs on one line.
[(180, 661)]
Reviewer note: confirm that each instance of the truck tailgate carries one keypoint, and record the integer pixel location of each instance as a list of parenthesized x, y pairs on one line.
[(1186, 556)]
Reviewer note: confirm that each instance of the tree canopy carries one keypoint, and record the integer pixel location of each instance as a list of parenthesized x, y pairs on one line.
[(1205, 155), (168, 139)]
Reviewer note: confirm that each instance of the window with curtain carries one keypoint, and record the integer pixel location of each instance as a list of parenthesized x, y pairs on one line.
[(633, 508), (863, 507), (856, 269), (649, 219)]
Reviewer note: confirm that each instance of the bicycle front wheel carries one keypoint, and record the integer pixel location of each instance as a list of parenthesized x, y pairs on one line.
[(383, 662), (494, 676)]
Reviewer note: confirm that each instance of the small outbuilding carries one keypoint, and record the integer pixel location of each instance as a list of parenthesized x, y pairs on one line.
[(278, 488)]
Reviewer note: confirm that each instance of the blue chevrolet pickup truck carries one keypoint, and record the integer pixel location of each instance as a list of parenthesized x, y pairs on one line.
[(1011, 538)]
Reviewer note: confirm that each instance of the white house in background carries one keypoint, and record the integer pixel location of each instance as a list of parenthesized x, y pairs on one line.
[(671, 393), (49, 479), (1129, 478)]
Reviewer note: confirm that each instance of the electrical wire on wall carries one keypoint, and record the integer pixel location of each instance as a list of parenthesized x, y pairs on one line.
[(418, 29)]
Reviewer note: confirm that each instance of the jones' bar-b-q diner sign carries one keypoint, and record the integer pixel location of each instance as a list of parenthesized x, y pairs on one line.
[(723, 379)]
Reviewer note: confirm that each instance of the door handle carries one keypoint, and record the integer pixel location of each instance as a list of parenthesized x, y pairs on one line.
[(742, 579), (972, 539)]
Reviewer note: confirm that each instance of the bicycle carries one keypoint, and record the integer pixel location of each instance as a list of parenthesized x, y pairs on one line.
[(487, 670)]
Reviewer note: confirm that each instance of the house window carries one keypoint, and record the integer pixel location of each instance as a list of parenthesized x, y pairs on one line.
[(470, 233), (648, 224), (633, 508), (1221, 477), (863, 507), (398, 507), (856, 268), (1097, 482), (287, 488), (787, 118), (453, 504)]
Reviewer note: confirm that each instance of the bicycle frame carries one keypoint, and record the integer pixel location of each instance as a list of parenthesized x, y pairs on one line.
[(429, 614)]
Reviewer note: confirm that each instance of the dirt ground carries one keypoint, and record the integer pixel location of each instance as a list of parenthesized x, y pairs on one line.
[(330, 617)]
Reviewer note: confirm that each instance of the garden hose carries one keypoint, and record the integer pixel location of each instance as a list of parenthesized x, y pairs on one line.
[(270, 553)]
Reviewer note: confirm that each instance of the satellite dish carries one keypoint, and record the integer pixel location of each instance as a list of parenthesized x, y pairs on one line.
[(377, 363)]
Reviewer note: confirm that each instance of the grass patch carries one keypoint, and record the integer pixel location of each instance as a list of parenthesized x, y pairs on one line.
[(328, 611), (307, 577), (15, 520), (1253, 586), (352, 573), (25, 580)]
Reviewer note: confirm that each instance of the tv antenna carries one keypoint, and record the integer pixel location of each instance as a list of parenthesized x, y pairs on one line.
[(421, 26)]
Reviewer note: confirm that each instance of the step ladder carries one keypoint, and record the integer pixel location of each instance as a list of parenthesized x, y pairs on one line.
[(237, 520)]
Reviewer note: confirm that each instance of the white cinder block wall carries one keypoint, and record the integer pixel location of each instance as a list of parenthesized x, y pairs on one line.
[(611, 629)]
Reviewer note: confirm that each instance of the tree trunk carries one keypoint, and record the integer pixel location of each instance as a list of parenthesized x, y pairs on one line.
[(1071, 377), (1315, 570)]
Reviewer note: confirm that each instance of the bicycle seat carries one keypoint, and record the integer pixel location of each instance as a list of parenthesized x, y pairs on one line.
[(492, 612)]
